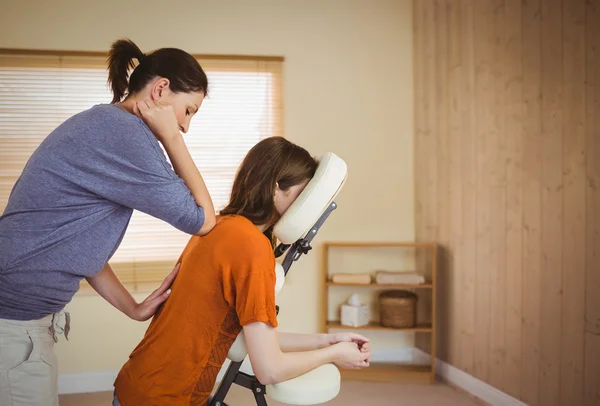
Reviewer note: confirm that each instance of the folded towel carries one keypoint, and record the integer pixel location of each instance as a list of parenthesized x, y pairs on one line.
[(409, 278), (363, 279)]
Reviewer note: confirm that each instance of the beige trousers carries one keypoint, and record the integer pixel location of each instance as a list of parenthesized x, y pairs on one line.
[(28, 367)]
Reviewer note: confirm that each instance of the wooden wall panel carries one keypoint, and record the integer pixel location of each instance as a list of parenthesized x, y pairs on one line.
[(441, 108), (532, 200), (425, 120), (484, 122), (508, 182), (552, 195), (574, 202), (466, 271), (592, 274), (497, 180), (514, 116), (592, 370), (454, 173)]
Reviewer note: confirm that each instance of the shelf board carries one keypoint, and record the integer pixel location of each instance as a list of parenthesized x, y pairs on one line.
[(384, 372), (385, 285), (378, 244), (420, 328)]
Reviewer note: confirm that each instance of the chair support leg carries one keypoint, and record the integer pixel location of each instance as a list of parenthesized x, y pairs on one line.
[(260, 398), (229, 378)]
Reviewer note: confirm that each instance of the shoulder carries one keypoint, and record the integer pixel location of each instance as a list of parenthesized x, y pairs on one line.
[(109, 120), (103, 125), (243, 239), (115, 132), (240, 229), (103, 130), (107, 115)]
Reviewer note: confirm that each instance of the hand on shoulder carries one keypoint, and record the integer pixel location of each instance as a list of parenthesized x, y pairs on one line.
[(159, 117)]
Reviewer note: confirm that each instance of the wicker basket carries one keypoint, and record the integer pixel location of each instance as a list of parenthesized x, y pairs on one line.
[(397, 309)]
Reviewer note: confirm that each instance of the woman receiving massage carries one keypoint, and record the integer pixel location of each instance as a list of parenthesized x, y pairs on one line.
[(226, 284)]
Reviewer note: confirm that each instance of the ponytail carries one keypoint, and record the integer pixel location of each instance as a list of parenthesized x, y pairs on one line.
[(183, 70), (120, 60)]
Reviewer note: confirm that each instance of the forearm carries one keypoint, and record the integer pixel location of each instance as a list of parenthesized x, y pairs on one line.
[(271, 364), (184, 167), (112, 290), (290, 342), (293, 364)]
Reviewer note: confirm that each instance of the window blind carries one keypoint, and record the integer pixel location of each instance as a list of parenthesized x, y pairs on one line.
[(40, 91)]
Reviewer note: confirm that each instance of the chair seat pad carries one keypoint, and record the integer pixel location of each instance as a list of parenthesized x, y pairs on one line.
[(314, 387)]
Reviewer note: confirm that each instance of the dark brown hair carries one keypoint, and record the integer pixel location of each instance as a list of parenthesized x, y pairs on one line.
[(272, 161), (183, 71)]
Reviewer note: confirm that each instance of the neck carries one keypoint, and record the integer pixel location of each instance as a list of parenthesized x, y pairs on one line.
[(263, 227), (269, 223), (129, 104)]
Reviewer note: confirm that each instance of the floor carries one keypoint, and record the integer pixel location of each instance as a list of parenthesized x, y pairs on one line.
[(352, 393)]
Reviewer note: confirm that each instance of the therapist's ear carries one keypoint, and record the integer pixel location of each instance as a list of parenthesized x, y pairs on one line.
[(160, 89)]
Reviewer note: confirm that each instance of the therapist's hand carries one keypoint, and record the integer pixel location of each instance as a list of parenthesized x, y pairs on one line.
[(143, 311), (159, 116)]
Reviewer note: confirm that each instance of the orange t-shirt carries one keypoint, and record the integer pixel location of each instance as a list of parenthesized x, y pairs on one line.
[(226, 280)]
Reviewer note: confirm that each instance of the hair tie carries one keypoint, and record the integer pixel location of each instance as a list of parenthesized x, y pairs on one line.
[(142, 56)]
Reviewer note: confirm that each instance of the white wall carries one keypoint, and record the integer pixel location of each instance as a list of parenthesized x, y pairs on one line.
[(347, 89)]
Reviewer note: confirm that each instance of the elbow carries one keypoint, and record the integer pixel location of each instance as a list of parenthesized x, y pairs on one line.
[(209, 223), (270, 372), (267, 377)]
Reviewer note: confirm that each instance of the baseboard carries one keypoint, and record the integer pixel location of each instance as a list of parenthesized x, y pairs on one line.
[(472, 385)]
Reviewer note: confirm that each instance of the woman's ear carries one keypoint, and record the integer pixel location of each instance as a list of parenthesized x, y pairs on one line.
[(279, 190), (160, 89)]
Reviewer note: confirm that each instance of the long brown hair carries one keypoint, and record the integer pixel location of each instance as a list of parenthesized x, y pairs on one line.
[(183, 70), (272, 161)]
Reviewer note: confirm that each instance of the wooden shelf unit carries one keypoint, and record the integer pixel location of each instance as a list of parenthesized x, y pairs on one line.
[(385, 371)]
